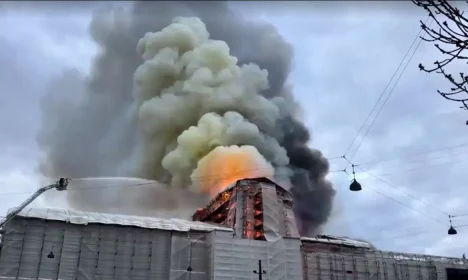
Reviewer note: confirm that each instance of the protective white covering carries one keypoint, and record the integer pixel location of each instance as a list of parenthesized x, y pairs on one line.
[(337, 240), (235, 259), (84, 218), (271, 219)]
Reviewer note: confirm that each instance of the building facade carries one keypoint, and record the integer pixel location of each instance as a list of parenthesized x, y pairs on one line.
[(221, 245), (255, 209), (103, 246)]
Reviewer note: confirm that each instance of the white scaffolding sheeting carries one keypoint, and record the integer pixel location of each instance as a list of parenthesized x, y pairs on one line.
[(290, 222), (271, 225), (236, 259), (84, 218)]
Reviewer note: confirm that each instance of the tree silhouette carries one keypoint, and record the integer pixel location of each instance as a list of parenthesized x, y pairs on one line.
[(450, 37)]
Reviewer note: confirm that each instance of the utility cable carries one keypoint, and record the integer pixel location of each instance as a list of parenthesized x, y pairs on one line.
[(332, 158), (422, 168), (401, 203), (390, 93), (411, 233), (423, 160), (403, 191), (409, 207), (383, 92), (412, 196), (457, 216), (411, 155)]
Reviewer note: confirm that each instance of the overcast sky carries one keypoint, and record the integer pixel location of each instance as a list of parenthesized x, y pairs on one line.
[(345, 54)]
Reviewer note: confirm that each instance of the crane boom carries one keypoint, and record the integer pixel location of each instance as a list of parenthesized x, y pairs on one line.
[(60, 185)]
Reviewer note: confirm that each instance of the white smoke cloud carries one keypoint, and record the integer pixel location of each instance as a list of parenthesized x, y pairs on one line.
[(186, 77), (116, 195), (213, 131), (162, 85)]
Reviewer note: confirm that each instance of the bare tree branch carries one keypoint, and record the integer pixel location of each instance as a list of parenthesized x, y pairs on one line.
[(450, 37)]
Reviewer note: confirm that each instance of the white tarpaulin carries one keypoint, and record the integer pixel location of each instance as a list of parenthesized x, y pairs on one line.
[(236, 259), (84, 218)]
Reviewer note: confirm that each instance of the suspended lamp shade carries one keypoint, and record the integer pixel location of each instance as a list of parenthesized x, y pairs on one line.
[(51, 255), (355, 186), (452, 231)]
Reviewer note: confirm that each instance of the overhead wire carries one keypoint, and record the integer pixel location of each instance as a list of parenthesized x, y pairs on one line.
[(201, 178), (417, 168), (414, 197), (401, 203), (332, 158), (404, 192), (349, 160), (423, 160), (422, 168), (412, 233), (391, 90), (383, 93), (411, 155), (456, 216)]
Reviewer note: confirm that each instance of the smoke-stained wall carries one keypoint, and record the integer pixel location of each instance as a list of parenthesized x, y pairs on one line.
[(173, 84)]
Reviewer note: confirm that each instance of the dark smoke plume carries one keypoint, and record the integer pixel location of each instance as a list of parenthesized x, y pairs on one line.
[(90, 127)]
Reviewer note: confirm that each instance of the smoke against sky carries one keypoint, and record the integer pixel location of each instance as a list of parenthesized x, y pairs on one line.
[(173, 81), (338, 72)]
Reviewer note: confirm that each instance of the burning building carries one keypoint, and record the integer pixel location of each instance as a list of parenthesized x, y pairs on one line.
[(251, 220), (255, 209)]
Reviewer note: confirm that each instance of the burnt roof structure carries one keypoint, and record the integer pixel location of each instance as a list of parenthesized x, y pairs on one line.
[(254, 208)]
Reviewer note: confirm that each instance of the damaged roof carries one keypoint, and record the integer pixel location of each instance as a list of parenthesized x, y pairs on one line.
[(84, 218)]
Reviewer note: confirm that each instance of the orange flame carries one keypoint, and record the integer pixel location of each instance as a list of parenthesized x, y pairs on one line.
[(225, 165)]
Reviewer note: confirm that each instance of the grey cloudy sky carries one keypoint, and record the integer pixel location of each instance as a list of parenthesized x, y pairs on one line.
[(345, 54)]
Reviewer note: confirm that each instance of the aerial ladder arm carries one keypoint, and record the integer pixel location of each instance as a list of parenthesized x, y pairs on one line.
[(60, 185)]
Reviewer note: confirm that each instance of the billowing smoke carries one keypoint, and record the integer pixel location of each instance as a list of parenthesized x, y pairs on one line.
[(179, 93)]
